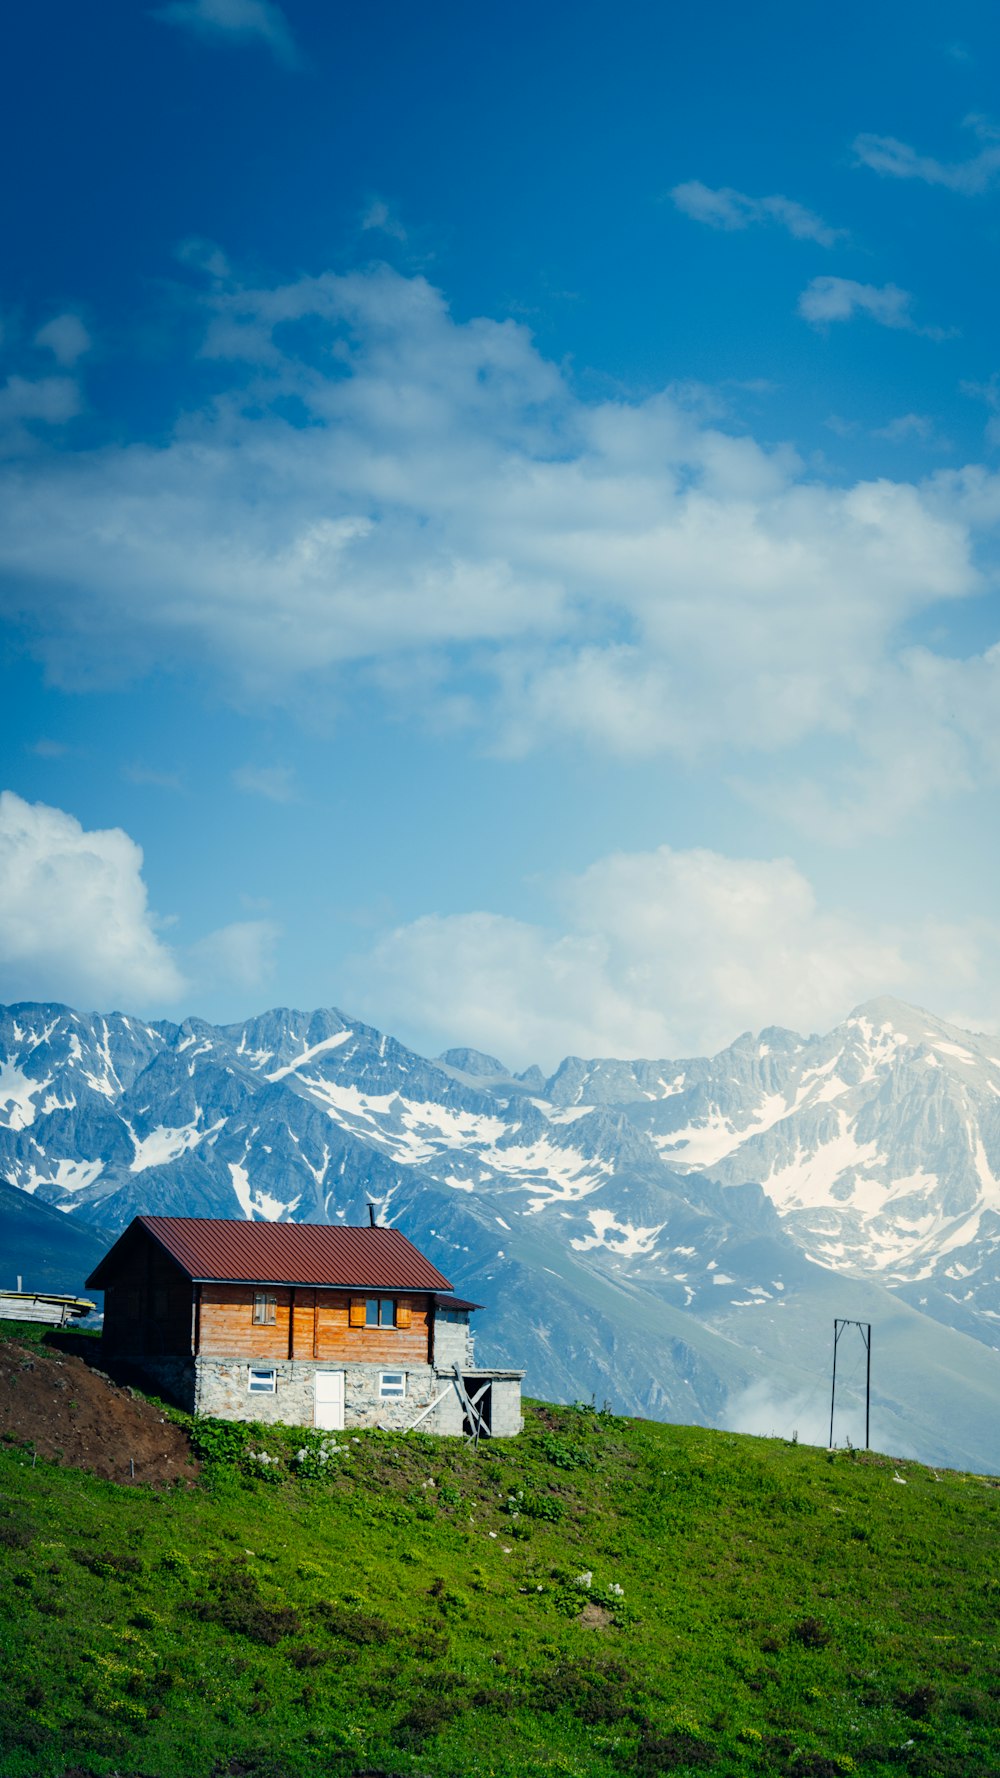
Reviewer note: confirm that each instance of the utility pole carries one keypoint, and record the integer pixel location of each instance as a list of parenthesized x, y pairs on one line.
[(865, 1330)]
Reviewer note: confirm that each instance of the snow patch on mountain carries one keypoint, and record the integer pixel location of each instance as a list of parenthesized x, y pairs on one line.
[(622, 1238), (308, 1055), (162, 1145), (258, 1205), (18, 1093)]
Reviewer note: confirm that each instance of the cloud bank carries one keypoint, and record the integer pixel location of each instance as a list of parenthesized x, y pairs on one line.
[(382, 496), (664, 954)]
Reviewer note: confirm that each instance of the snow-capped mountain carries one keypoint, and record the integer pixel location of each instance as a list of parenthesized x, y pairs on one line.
[(878, 1144), (647, 1230)]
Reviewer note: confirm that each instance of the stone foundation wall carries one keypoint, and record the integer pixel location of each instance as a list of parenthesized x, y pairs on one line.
[(223, 1390), (220, 1386), (447, 1416), (363, 1405)]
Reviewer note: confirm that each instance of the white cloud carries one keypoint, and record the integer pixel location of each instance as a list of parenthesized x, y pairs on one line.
[(276, 783), (458, 527), (379, 217), (75, 923), (662, 953), (50, 401), (840, 299), (239, 956), (906, 426), (204, 256), (727, 209), (239, 20), (65, 337), (74, 919), (990, 393), (897, 160)]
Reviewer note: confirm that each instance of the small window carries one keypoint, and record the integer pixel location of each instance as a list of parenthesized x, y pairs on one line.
[(160, 1305), (265, 1306), (263, 1382), (392, 1385), (380, 1311)]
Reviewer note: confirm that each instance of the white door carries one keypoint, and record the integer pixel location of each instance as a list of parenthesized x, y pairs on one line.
[(330, 1401)]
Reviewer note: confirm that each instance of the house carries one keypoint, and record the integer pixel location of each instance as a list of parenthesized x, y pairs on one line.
[(311, 1324)]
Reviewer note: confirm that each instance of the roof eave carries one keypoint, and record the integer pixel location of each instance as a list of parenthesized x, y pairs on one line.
[(320, 1284)]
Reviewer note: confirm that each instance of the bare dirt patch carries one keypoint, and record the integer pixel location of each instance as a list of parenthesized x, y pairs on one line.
[(67, 1410), (595, 1617)]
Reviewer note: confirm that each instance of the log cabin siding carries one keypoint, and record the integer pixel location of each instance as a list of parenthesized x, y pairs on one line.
[(316, 1326)]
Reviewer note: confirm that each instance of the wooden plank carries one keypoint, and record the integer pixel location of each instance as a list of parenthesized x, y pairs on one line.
[(52, 1311), (475, 1417), (318, 1327)]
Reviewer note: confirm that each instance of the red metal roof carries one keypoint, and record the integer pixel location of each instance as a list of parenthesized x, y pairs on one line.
[(456, 1302), (214, 1250)]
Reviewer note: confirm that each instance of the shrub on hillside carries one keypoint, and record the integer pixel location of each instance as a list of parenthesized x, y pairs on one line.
[(236, 1605)]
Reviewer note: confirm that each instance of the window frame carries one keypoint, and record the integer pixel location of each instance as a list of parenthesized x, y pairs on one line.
[(261, 1370), (379, 1303), (265, 1308), (391, 1393)]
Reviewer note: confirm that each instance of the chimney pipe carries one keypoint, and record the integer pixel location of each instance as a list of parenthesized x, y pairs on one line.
[(371, 1213)]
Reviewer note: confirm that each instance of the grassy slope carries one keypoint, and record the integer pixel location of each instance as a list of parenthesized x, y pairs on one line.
[(783, 1611)]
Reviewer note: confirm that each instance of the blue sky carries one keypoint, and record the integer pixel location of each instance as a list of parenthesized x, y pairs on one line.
[(498, 516)]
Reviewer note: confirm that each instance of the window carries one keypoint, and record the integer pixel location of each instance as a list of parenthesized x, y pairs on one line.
[(160, 1305), (263, 1382), (380, 1311), (264, 1308), (392, 1385)]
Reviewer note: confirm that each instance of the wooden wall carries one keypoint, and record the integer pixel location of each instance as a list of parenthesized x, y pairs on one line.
[(315, 1325), (148, 1304)]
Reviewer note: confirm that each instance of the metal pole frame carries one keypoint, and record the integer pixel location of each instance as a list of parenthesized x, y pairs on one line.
[(865, 1330)]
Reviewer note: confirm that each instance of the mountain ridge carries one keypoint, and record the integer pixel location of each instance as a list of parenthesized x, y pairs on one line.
[(606, 1200)]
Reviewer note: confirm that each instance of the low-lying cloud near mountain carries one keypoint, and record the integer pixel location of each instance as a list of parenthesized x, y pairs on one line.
[(667, 952)]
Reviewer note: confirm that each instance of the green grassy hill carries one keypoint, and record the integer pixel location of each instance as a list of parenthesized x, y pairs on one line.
[(597, 1597)]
